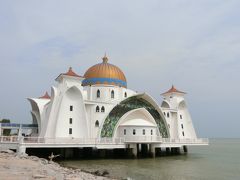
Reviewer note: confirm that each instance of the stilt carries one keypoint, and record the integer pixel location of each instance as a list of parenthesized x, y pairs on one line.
[(1, 129), (139, 148), (135, 151), (158, 151), (21, 149), (185, 149), (178, 150), (152, 151)]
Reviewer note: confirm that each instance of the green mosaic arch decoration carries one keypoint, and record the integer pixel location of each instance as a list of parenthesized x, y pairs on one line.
[(126, 106)]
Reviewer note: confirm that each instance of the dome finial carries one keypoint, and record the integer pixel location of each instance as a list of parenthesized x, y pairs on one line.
[(105, 58)]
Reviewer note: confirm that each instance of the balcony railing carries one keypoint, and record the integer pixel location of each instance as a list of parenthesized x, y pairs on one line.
[(17, 125), (113, 141), (157, 139), (72, 140), (9, 139)]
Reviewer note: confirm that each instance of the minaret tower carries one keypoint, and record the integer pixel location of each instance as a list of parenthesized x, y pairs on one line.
[(177, 116)]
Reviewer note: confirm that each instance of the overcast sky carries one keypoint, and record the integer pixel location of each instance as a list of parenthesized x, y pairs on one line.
[(194, 45)]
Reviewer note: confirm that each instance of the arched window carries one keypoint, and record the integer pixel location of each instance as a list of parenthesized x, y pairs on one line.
[(103, 109), (125, 94), (151, 132), (112, 94), (97, 109), (98, 93), (134, 131), (168, 115), (97, 123), (164, 113)]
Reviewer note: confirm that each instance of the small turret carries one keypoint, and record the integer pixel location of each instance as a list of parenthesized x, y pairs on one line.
[(177, 116)]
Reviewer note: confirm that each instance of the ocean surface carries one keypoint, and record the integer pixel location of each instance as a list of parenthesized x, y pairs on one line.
[(218, 161)]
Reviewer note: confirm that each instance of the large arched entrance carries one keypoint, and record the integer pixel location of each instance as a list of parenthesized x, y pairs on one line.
[(131, 103)]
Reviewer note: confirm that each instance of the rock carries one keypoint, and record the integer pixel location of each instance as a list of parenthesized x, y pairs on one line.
[(7, 151), (32, 167), (34, 158), (44, 161), (22, 156), (105, 172), (98, 173), (39, 176)]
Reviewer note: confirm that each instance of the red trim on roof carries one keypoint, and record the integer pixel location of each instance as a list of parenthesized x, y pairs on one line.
[(173, 90), (45, 96), (71, 73)]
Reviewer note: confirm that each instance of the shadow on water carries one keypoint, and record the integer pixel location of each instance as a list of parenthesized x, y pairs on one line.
[(220, 160)]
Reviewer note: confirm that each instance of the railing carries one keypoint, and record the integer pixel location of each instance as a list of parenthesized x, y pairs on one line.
[(186, 141), (72, 140), (157, 139), (7, 139), (127, 139), (17, 125)]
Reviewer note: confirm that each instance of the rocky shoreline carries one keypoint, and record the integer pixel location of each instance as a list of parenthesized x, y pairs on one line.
[(22, 167)]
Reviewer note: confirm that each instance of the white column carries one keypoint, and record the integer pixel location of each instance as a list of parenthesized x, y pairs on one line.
[(21, 149), (134, 151), (20, 131), (152, 150), (0, 129)]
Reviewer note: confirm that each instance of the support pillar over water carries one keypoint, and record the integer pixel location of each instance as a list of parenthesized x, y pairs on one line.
[(21, 149), (0, 129), (185, 149), (134, 148), (158, 151), (152, 150)]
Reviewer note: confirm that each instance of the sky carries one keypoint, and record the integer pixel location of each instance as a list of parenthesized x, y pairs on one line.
[(194, 45)]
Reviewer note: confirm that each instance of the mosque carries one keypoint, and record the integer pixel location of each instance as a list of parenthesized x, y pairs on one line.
[(98, 110)]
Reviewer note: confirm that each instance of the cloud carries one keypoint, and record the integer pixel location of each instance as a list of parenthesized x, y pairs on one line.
[(192, 44)]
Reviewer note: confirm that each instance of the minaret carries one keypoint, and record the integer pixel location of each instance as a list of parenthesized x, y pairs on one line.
[(177, 116)]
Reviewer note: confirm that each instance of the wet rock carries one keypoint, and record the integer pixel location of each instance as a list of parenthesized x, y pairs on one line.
[(97, 173), (39, 176), (7, 151), (105, 173)]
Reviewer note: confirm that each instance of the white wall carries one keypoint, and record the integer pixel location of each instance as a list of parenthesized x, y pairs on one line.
[(72, 97), (177, 106), (138, 129)]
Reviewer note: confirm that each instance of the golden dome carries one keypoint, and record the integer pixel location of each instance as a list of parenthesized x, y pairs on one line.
[(105, 73)]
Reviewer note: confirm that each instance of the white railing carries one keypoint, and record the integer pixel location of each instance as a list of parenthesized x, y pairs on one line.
[(157, 139), (72, 140), (7, 139), (186, 141), (96, 141)]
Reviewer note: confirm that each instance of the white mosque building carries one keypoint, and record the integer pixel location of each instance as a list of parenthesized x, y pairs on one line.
[(98, 107)]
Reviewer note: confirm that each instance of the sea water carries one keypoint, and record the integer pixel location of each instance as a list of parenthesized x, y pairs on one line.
[(218, 161)]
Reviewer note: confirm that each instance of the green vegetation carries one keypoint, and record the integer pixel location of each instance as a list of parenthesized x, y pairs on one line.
[(6, 132)]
